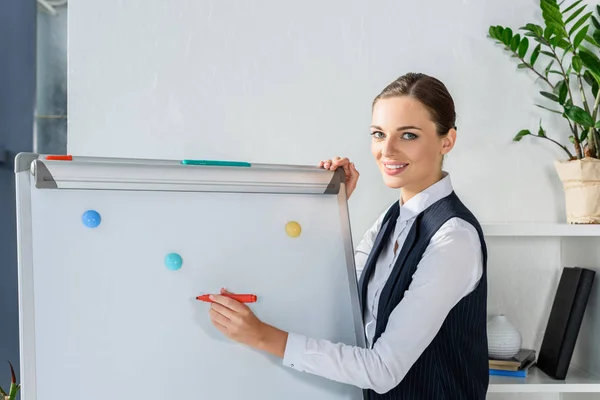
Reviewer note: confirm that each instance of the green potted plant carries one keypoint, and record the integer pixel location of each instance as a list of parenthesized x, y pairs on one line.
[(14, 387), (564, 61)]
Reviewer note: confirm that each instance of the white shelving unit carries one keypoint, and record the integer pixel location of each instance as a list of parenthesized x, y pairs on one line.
[(540, 229), (578, 380)]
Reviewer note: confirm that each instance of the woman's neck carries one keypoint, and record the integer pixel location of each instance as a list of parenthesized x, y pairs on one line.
[(410, 191)]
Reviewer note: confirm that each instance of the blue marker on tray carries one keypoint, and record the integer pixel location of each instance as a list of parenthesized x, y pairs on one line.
[(217, 163)]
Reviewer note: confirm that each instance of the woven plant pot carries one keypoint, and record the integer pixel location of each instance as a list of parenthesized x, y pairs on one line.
[(581, 183)]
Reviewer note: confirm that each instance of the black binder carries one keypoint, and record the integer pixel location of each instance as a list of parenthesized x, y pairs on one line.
[(564, 321)]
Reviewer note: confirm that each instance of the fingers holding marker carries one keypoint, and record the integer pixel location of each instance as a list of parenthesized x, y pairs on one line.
[(227, 302)]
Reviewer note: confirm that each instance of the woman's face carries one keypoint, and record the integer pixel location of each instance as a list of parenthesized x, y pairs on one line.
[(406, 145)]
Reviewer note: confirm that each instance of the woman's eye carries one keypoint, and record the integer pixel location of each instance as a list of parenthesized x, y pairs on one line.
[(377, 134), (409, 136)]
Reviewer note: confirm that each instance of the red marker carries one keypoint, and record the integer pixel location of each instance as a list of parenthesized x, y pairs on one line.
[(242, 298), (60, 157)]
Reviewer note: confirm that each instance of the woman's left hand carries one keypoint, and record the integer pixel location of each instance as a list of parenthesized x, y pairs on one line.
[(237, 321)]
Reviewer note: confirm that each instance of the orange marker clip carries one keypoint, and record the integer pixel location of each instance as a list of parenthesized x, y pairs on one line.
[(60, 157), (242, 298)]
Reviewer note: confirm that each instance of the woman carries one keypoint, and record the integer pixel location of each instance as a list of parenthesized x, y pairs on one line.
[(422, 268)]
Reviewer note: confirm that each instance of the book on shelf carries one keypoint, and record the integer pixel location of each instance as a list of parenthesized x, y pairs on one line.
[(518, 365), (514, 363), (520, 373), (564, 322)]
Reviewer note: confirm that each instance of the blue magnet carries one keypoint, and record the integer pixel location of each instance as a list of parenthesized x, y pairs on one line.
[(91, 219), (173, 261)]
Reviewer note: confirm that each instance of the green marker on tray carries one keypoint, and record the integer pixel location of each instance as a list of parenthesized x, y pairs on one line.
[(218, 163)]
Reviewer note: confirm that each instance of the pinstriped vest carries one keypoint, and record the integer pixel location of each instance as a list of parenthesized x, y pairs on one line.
[(455, 364)]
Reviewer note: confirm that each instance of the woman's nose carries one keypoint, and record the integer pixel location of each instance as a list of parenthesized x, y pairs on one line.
[(388, 148)]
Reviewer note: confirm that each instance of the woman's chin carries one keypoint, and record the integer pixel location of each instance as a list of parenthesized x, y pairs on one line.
[(393, 182)]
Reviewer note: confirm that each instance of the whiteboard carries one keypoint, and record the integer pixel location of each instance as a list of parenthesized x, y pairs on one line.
[(102, 313)]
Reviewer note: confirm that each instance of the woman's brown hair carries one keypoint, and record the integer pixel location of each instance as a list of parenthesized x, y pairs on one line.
[(431, 92)]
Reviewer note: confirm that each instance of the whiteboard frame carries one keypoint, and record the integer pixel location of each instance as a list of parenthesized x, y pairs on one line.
[(57, 175)]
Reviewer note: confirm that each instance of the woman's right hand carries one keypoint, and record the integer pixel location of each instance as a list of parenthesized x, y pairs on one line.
[(349, 170)]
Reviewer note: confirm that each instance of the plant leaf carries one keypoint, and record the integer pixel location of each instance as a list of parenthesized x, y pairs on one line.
[(597, 125), (492, 32), (553, 18), (591, 62), (595, 22), (499, 31), (580, 36), (591, 40), (13, 377), (563, 92), (549, 109), (522, 66), (535, 54), (575, 14), (579, 115), (557, 86), (572, 6), (548, 32), (596, 36), (538, 30), (3, 393), (577, 63), (550, 96), (523, 46), (541, 132), (514, 44), (563, 44), (521, 134), (548, 68), (506, 36), (581, 21), (587, 76), (584, 135)]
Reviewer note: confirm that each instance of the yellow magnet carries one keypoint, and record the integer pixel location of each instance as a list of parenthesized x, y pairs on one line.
[(293, 229)]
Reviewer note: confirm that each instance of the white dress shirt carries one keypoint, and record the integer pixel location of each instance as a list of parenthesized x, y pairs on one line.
[(449, 269)]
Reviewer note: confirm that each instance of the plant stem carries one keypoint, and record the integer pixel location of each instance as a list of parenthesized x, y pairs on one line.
[(596, 103), (593, 137), (574, 129), (560, 145), (580, 83), (583, 97), (533, 69)]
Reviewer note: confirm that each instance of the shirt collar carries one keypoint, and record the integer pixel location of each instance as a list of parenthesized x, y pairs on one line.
[(425, 198)]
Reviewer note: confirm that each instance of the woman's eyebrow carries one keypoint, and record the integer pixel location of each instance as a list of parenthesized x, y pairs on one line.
[(401, 128)]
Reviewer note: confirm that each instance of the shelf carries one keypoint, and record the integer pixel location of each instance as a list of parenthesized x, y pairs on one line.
[(540, 229), (577, 381)]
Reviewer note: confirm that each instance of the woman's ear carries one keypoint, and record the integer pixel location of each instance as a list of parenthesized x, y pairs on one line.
[(448, 141)]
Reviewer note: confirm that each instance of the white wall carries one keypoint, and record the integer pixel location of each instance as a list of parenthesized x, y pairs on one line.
[(292, 82)]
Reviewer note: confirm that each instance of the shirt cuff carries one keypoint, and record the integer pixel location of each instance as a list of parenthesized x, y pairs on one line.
[(294, 350)]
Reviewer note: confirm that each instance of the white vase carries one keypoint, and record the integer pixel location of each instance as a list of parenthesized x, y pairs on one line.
[(504, 340)]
